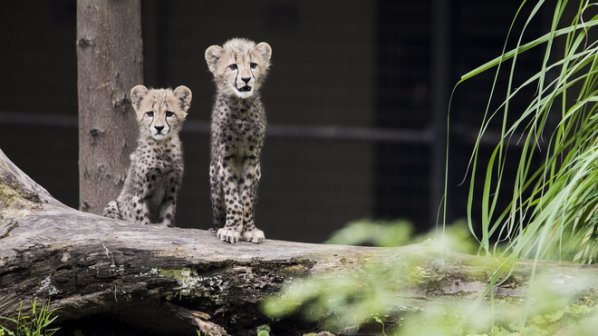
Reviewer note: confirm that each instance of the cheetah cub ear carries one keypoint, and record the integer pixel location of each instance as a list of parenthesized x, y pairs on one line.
[(183, 94), (137, 94), (266, 51), (213, 54)]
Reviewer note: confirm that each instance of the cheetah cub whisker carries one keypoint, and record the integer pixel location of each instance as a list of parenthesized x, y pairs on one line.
[(238, 130), (155, 175)]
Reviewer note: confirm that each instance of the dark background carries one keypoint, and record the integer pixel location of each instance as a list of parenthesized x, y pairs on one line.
[(356, 100)]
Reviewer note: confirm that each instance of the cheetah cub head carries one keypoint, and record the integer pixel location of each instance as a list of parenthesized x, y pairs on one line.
[(239, 66), (160, 112)]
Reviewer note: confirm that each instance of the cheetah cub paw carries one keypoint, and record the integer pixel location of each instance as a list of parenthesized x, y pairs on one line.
[(255, 236), (229, 235)]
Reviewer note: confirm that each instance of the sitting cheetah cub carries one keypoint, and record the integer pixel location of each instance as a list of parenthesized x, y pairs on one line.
[(237, 134), (156, 171)]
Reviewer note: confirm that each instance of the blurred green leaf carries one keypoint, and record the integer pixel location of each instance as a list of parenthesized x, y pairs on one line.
[(263, 330), (377, 233)]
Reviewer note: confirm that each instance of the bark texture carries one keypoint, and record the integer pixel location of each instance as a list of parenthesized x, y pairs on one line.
[(171, 281), (109, 64)]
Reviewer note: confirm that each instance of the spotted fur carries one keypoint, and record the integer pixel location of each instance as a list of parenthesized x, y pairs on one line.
[(237, 135), (155, 175)]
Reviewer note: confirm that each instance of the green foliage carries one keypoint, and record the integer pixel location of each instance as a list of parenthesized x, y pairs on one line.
[(373, 290), (455, 237), (553, 311), (378, 233), (34, 323), (343, 298), (368, 291), (553, 212), (263, 330)]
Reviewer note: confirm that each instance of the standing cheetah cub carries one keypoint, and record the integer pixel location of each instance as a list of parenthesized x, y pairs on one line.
[(237, 134), (156, 172)]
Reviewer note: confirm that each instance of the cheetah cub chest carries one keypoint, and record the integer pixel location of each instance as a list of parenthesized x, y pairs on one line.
[(155, 175), (237, 135)]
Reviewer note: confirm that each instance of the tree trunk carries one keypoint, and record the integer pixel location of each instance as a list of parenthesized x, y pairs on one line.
[(109, 64), (170, 281)]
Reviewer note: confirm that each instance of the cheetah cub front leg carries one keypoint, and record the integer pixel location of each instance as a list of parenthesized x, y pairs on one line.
[(239, 187), (249, 183), (237, 135)]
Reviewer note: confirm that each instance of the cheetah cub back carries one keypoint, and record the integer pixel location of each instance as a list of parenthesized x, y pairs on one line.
[(155, 175), (238, 130)]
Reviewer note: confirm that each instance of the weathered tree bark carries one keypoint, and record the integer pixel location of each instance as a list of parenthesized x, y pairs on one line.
[(109, 64), (171, 281)]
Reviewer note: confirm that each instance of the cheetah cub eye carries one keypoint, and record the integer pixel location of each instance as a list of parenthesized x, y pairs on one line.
[(160, 112)]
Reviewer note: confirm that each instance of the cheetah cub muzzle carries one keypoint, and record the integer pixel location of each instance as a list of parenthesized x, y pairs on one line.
[(155, 175), (237, 135)]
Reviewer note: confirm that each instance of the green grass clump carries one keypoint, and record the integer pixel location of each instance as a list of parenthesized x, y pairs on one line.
[(553, 210), (36, 322)]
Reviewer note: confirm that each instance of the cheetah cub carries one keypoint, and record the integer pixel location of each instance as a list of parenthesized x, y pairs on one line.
[(156, 171), (237, 134)]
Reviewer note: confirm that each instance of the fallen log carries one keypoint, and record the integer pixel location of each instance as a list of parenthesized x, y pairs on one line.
[(173, 281)]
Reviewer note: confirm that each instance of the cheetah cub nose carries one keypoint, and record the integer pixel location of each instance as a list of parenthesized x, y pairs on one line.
[(159, 128)]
